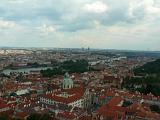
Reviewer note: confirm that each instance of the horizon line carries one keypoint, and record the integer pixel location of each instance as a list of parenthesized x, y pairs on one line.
[(114, 49)]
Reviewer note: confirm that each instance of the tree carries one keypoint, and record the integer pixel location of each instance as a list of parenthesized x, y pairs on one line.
[(70, 66), (37, 116), (148, 82), (4, 116), (155, 108)]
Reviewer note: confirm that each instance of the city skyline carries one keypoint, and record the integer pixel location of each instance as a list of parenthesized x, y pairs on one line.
[(106, 24)]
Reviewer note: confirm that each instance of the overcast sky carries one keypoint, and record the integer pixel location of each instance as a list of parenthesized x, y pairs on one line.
[(109, 24)]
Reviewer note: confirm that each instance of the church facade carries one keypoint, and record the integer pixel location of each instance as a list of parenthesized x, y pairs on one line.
[(75, 96)]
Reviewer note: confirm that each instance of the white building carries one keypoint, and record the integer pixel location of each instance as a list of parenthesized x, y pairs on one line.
[(72, 96)]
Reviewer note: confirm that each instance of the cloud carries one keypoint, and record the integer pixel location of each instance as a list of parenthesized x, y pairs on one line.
[(4, 24), (96, 7), (16, 1), (47, 29), (144, 8), (150, 7), (121, 24)]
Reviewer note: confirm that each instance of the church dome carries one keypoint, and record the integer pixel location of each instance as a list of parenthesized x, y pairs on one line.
[(67, 82)]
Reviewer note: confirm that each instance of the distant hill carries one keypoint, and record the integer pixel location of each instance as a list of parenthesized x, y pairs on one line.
[(149, 68), (149, 82)]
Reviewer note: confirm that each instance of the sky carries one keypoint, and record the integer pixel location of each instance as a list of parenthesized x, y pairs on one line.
[(107, 24)]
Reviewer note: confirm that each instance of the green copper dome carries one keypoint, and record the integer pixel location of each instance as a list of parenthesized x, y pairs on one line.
[(67, 81)]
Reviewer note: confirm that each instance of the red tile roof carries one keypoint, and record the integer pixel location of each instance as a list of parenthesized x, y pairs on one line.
[(110, 78), (86, 118), (3, 105), (76, 93), (115, 101), (111, 109), (21, 114), (66, 115)]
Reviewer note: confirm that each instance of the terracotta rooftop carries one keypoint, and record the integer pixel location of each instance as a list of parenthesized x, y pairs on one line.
[(21, 114), (66, 115), (76, 93)]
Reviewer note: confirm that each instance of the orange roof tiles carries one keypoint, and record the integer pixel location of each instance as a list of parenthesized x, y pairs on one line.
[(77, 93), (111, 109), (115, 101), (67, 115), (21, 114), (3, 105), (86, 118)]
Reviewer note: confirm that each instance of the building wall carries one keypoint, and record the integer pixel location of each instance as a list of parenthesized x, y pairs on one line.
[(84, 102), (4, 109)]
